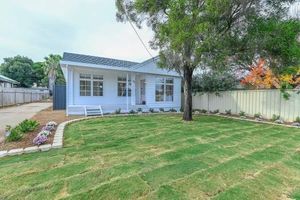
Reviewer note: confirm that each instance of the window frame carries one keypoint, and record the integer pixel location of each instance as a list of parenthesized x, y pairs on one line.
[(164, 82), (124, 81), (91, 79)]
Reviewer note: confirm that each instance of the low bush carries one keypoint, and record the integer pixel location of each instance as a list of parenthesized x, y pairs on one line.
[(216, 111), (40, 139), (140, 110), (15, 135), (242, 114), (203, 111), (48, 128), (257, 115), (51, 123), (162, 110), (297, 119), (45, 133), (132, 112), (275, 117), (228, 112), (28, 125), (173, 110), (118, 111), (151, 110)]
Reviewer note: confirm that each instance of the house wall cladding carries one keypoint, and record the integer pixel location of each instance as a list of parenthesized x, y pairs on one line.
[(265, 102), (13, 96)]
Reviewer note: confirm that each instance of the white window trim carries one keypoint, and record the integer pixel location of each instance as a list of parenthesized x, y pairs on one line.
[(92, 83), (165, 91), (126, 82)]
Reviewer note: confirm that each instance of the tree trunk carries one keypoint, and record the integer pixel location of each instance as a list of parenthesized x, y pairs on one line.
[(187, 78), (51, 84)]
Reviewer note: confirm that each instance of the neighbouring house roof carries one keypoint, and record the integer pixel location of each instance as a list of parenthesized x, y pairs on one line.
[(8, 80), (80, 58)]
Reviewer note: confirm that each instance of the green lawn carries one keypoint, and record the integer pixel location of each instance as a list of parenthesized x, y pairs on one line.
[(160, 157)]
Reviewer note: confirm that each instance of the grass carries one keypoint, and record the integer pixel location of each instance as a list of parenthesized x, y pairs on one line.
[(160, 157)]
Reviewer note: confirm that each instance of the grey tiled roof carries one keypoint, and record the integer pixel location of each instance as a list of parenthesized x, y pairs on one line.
[(72, 57)]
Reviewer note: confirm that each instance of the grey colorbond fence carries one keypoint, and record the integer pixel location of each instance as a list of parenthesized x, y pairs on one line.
[(14, 96), (265, 102), (59, 97)]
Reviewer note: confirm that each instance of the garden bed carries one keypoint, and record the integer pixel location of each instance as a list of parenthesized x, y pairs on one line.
[(42, 117)]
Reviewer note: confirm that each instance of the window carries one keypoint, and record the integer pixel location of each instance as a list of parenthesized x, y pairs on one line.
[(159, 89), (91, 84), (164, 89), (97, 85), (122, 87), (169, 89), (85, 85)]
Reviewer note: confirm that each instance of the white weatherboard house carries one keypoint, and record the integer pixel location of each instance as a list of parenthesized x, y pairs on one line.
[(102, 85)]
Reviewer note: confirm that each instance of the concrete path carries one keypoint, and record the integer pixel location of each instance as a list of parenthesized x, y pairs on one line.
[(14, 115)]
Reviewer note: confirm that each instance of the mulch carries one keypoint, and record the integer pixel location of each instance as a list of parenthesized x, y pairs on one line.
[(42, 117)]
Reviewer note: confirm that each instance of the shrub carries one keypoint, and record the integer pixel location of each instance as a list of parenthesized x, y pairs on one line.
[(297, 119), (228, 112), (203, 111), (242, 114), (48, 128), (257, 115), (51, 123), (173, 110), (45, 133), (28, 125), (151, 110), (131, 112), (140, 110), (275, 117), (15, 135), (118, 111), (161, 109), (40, 139), (216, 111), (181, 109)]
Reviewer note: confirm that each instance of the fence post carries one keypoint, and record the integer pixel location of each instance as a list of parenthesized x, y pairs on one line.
[(280, 104), (15, 97), (2, 99), (208, 102), (31, 98), (24, 97)]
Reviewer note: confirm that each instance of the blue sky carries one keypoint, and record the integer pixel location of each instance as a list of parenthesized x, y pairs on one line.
[(36, 28)]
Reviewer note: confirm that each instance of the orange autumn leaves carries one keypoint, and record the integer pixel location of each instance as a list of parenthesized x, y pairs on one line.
[(262, 77)]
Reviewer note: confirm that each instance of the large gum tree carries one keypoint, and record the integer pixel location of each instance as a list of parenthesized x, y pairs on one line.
[(194, 33)]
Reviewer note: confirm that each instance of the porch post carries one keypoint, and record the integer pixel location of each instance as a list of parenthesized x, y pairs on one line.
[(127, 101)]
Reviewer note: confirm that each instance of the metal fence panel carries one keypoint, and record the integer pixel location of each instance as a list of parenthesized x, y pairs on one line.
[(14, 96), (265, 102), (59, 97)]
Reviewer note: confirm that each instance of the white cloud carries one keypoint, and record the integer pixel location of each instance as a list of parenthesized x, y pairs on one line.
[(36, 28)]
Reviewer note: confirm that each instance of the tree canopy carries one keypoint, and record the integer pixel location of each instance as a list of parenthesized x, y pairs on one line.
[(20, 69), (214, 33), (29, 73)]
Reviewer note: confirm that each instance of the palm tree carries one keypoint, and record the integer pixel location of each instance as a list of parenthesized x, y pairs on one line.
[(51, 69)]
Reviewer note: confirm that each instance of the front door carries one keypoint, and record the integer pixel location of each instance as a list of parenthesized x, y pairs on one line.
[(143, 92)]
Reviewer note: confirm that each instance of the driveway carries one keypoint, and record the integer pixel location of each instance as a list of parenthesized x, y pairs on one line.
[(14, 115)]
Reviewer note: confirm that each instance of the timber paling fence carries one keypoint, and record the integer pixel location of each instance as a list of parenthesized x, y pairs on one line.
[(265, 102), (15, 96)]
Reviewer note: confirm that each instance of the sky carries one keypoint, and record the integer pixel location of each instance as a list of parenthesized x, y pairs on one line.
[(37, 28)]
